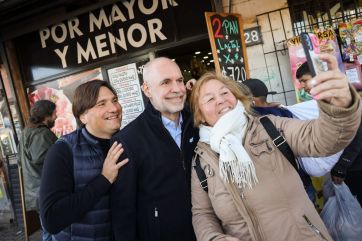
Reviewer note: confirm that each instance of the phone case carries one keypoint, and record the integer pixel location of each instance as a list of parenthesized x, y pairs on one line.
[(314, 63)]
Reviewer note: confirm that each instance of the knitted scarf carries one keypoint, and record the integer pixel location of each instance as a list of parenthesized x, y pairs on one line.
[(225, 138)]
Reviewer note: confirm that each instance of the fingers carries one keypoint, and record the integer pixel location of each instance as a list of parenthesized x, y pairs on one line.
[(329, 84), (115, 151), (110, 165), (332, 85), (122, 163), (331, 61), (337, 180), (114, 147)]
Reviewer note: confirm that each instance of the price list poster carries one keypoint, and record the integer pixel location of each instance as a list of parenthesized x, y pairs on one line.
[(125, 81)]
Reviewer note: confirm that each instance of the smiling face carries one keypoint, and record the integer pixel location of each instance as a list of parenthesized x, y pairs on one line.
[(215, 100), (104, 118), (164, 87)]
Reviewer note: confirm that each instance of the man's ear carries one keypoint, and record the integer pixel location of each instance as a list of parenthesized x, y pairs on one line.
[(84, 118), (146, 89)]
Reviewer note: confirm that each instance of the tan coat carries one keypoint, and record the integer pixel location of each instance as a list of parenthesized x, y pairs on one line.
[(277, 208)]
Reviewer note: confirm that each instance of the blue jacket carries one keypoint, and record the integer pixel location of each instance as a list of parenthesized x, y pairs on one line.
[(151, 198), (74, 194)]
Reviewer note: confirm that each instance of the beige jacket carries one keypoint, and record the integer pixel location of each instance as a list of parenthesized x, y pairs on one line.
[(277, 208)]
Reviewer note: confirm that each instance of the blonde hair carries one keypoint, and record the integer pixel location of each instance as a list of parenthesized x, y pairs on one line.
[(233, 86)]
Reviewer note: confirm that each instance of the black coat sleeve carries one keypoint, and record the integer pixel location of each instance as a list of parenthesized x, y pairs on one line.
[(60, 206), (349, 155), (124, 200)]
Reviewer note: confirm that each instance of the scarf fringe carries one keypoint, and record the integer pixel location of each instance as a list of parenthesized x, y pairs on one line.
[(242, 174)]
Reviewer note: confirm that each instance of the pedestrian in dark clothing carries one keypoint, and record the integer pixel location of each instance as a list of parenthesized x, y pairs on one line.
[(151, 198), (36, 139), (81, 166)]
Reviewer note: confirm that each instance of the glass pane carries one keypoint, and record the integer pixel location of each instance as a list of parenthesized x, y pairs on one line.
[(61, 92)]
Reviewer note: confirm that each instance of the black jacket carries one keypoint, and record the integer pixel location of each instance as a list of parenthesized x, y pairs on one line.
[(351, 158), (151, 198)]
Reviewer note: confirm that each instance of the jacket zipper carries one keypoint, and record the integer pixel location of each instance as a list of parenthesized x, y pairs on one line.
[(314, 228), (156, 213), (253, 219)]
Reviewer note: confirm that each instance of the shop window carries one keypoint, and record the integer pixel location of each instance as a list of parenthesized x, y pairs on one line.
[(61, 91), (9, 118)]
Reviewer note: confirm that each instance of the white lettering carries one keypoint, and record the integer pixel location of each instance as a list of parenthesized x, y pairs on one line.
[(44, 35), (154, 27), (98, 21), (85, 54), (117, 14), (61, 55), (129, 6), (121, 41), (139, 27), (173, 3), (101, 45), (150, 10), (73, 25), (63, 34)]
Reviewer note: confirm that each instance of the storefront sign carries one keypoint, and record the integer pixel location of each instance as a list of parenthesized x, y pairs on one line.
[(228, 44), (115, 30), (125, 81)]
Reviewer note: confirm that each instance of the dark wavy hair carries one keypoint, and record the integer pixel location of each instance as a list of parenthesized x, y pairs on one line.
[(86, 96), (302, 70), (40, 110)]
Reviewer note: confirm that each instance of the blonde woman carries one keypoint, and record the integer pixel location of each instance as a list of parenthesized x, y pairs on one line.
[(254, 193)]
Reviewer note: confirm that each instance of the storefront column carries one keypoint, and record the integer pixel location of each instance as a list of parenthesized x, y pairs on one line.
[(18, 86)]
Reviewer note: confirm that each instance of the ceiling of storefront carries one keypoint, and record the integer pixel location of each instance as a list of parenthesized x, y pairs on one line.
[(19, 13), (13, 10)]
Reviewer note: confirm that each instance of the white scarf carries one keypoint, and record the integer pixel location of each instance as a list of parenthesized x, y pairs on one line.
[(225, 138)]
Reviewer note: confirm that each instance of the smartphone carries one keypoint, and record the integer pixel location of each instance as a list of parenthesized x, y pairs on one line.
[(315, 64)]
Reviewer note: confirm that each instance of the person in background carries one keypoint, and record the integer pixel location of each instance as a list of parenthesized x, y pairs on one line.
[(348, 166), (261, 106), (254, 193), (303, 74), (36, 139), (260, 93), (81, 166), (151, 197)]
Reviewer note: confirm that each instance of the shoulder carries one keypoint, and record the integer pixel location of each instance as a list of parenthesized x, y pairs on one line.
[(134, 128), (41, 134)]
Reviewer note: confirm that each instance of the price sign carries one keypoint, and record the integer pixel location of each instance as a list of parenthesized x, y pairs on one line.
[(228, 44)]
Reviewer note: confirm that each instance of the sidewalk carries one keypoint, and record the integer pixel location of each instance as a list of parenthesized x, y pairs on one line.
[(10, 232)]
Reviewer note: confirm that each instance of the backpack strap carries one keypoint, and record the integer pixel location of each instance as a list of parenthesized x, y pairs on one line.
[(279, 141), (200, 173)]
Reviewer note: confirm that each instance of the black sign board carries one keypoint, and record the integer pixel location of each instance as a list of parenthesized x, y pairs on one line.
[(112, 31), (228, 44)]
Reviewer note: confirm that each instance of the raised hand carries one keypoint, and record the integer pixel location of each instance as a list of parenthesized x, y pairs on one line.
[(110, 165), (332, 85)]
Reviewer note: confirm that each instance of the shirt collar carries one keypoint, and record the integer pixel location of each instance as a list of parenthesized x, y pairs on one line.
[(170, 123)]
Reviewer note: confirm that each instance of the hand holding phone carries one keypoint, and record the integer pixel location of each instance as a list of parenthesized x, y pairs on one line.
[(315, 64)]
